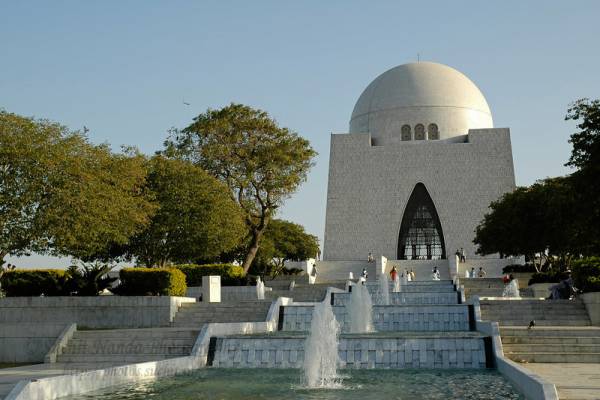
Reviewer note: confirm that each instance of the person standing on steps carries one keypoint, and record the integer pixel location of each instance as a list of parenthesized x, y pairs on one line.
[(413, 277), (370, 257), (481, 273), (463, 257), (393, 273)]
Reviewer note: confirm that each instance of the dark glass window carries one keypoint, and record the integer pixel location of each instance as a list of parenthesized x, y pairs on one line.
[(432, 131), (406, 133), (419, 132), (421, 236)]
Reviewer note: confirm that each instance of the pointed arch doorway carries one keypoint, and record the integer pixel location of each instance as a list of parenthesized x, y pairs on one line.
[(421, 236)]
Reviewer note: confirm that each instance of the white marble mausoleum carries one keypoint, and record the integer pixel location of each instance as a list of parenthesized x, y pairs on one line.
[(418, 168)]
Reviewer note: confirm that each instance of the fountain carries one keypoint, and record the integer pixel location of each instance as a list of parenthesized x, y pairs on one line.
[(360, 310), (397, 287), (260, 289), (384, 290), (321, 356), (511, 289)]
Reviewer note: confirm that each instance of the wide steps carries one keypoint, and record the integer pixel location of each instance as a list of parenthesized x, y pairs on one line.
[(510, 341), (544, 312), (554, 357), (551, 348), (124, 346), (111, 358), (511, 331), (135, 334), (139, 348), (197, 314)]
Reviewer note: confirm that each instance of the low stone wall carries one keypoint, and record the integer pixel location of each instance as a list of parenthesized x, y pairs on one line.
[(592, 305), (355, 352), (27, 343), (99, 312), (406, 298), (539, 289), (228, 293), (388, 318)]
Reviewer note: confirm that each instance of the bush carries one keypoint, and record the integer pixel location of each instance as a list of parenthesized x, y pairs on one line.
[(550, 276), (34, 282), (231, 275), (151, 282), (586, 274), (518, 268)]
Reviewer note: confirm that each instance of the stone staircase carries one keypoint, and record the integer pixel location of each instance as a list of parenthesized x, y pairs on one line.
[(195, 315), (552, 344), (482, 287), (305, 292), (544, 312), (125, 346)]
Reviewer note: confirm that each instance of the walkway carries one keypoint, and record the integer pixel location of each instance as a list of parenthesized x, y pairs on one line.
[(573, 381)]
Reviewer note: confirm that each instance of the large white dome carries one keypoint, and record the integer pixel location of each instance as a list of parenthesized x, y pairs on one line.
[(420, 101)]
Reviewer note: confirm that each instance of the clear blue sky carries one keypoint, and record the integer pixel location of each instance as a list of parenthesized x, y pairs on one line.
[(123, 68)]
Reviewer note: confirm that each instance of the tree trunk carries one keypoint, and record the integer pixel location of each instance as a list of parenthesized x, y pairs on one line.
[(254, 243), (2, 255)]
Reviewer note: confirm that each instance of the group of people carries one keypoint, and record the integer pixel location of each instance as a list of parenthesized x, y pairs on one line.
[(461, 255), (475, 274)]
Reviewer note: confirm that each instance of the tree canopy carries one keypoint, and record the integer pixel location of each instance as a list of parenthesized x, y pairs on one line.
[(261, 162), (284, 241), (196, 218), (529, 221), (60, 194)]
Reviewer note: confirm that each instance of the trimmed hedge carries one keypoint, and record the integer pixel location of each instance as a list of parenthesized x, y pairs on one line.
[(548, 277), (518, 268), (151, 282), (34, 282), (586, 274), (231, 275)]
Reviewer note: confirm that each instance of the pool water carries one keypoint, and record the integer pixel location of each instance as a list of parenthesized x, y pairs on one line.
[(249, 384)]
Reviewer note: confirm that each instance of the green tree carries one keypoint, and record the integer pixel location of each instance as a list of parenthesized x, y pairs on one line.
[(261, 162), (62, 195), (535, 220), (585, 157), (196, 218), (284, 241)]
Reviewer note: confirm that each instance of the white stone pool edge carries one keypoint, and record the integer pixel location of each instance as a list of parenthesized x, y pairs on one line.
[(532, 386)]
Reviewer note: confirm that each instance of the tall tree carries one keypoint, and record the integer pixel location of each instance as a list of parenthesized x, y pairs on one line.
[(585, 157), (61, 194), (196, 218), (261, 162)]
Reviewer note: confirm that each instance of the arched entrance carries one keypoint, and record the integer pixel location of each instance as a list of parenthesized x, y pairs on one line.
[(421, 236)]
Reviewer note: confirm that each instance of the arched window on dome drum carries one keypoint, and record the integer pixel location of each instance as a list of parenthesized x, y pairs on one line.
[(432, 132), (421, 236), (406, 133), (419, 132)]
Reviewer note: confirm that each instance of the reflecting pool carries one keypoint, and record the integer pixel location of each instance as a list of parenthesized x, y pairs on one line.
[(233, 384)]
